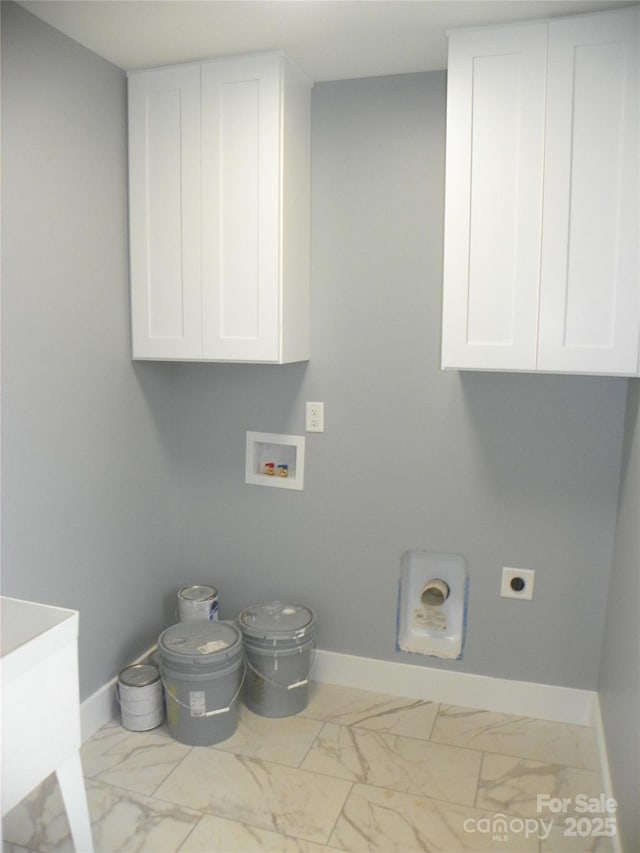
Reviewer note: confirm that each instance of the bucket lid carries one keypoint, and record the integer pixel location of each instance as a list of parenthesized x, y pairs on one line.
[(276, 620), (197, 593), (139, 675), (200, 642)]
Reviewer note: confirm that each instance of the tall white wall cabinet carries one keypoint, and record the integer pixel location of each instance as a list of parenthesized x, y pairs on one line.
[(541, 261), (219, 160)]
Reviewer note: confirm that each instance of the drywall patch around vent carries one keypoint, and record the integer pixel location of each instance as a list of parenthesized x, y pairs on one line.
[(432, 603)]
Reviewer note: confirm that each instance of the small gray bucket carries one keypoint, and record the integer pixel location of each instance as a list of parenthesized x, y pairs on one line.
[(202, 671), (279, 640), (139, 694), (197, 602)]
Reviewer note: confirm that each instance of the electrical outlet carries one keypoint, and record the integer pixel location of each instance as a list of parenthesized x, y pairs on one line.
[(315, 417), (517, 583)]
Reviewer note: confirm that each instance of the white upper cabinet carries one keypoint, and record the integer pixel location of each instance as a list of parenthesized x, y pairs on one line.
[(493, 210), (541, 221), (589, 294), (164, 212), (219, 211)]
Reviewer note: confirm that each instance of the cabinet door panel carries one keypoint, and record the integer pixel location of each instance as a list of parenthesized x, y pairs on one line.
[(589, 280), (164, 178), (495, 127), (240, 211)]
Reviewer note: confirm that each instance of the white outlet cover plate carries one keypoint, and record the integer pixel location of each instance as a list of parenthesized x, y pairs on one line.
[(527, 575), (314, 417)]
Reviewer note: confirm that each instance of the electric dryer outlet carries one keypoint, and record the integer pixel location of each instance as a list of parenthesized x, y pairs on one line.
[(517, 583)]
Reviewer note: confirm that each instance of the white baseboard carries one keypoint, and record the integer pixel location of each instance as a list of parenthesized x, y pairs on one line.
[(605, 771), (98, 709), (524, 698)]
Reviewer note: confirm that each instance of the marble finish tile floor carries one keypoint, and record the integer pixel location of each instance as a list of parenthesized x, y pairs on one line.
[(356, 771)]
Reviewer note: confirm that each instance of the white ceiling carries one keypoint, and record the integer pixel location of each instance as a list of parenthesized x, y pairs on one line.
[(329, 39)]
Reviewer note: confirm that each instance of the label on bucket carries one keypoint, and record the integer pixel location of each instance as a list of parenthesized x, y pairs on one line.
[(197, 703), (200, 643), (213, 646)]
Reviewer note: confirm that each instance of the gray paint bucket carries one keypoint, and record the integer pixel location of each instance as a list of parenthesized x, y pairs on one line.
[(197, 602), (202, 670), (279, 640), (139, 694)]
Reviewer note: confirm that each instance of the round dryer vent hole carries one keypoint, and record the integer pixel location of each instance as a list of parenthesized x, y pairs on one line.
[(435, 593)]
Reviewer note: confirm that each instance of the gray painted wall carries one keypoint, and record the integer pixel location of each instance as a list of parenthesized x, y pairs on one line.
[(87, 491), (508, 470), (121, 481), (619, 681)]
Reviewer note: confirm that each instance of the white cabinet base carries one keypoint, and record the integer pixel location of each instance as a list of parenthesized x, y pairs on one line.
[(41, 708), (71, 782)]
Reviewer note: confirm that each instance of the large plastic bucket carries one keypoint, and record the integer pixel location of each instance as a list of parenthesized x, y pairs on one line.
[(279, 640), (202, 671)]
